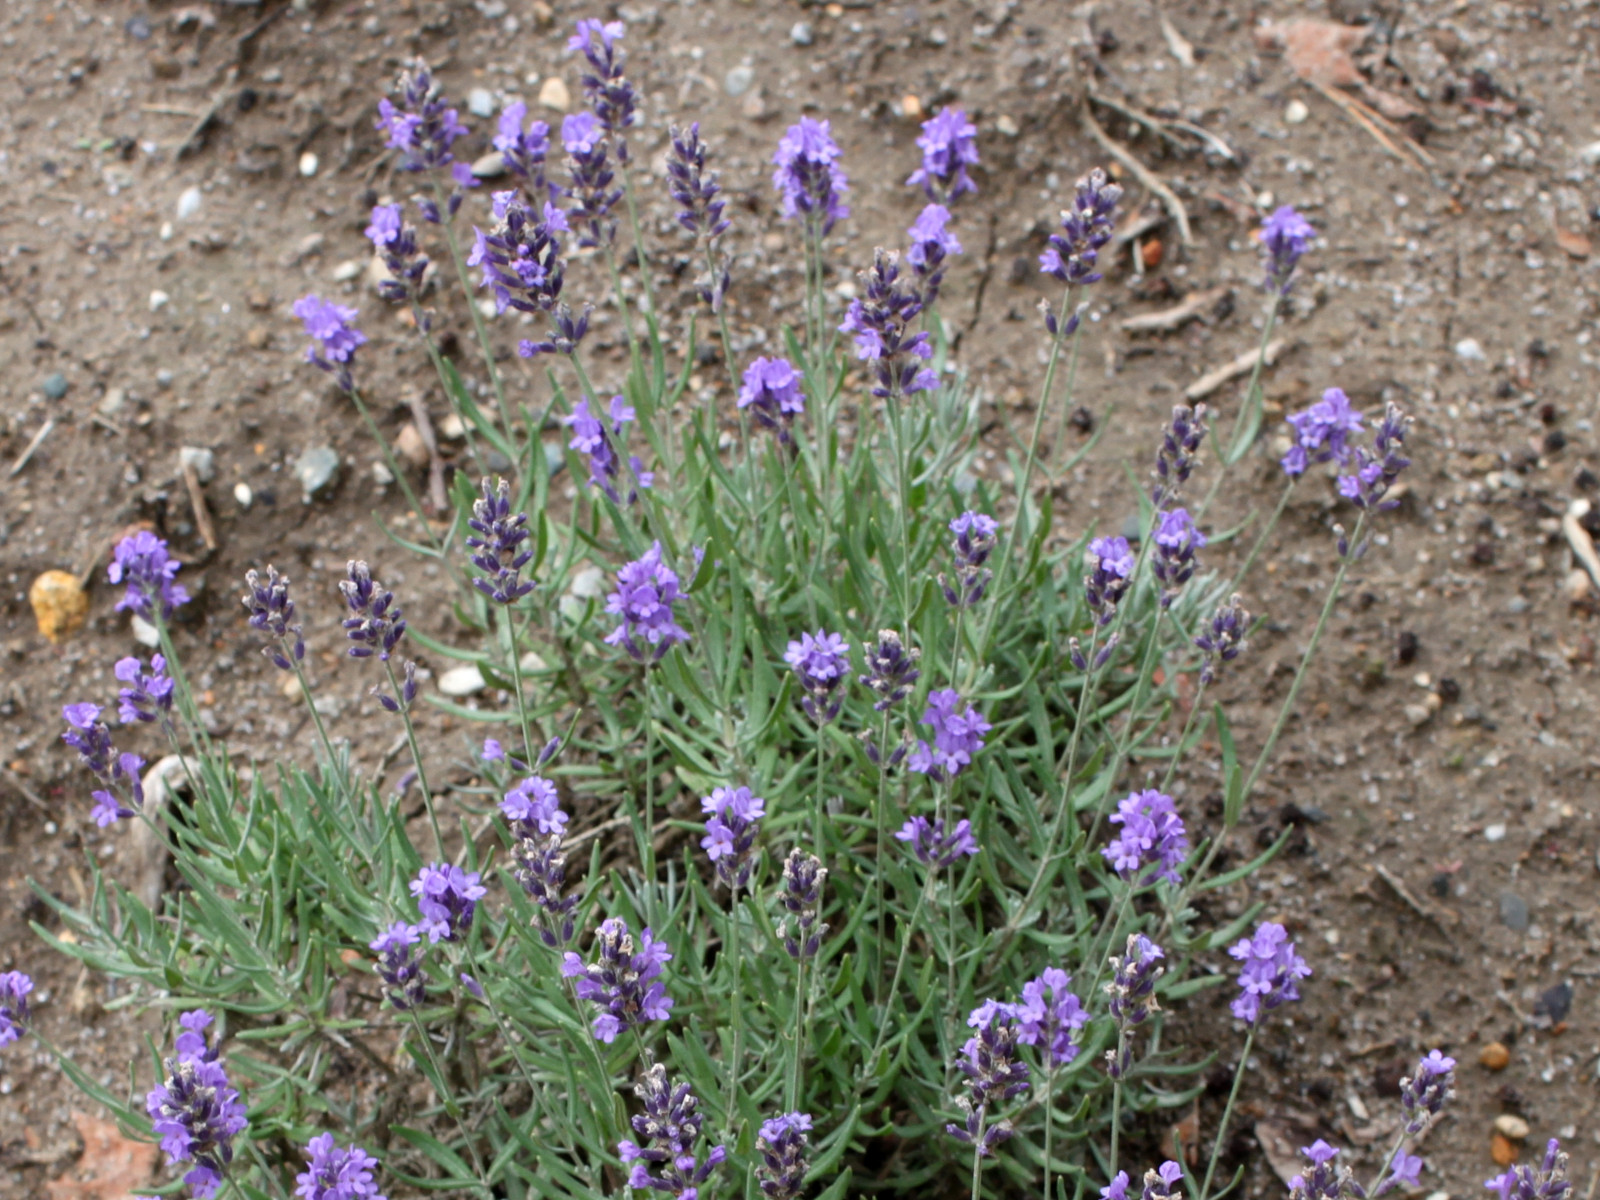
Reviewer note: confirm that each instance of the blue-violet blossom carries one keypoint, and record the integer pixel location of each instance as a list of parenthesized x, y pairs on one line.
[(624, 983), (335, 1173), (732, 815), (14, 989), (272, 613), (499, 538), (949, 146), (646, 591), (148, 697), (809, 180), (1285, 236), (195, 1111), (1049, 1017), (821, 661), (597, 440), (801, 898), (141, 564), (771, 392), (666, 1158), (334, 337), (1270, 972), (447, 897), (958, 730), (781, 1143)]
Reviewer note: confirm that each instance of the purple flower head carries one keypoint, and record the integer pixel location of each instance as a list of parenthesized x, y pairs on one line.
[(14, 989), (958, 731), (931, 244), (700, 208), (891, 670), (1427, 1090), (141, 564), (605, 84), (781, 1143), (731, 828), (1404, 1169), (994, 1072), (597, 440), (1285, 236), (337, 1174), (1050, 1016), (1223, 640), (1180, 449), (1111, 562), (1175, 541), (376, 623), (949, 144), (446, 896), (422, 127), (1376, 471), (584, 139), (334, 337), (395, 243), (533, 808), (932, 846), (1269, 974), (646, 591), (809, 180), (566, 331), (623, 982), (521, 259), (1152, 836), (1548, 1181), (122, 793), (525, 150), (400, 964), (88, 735), (1325, 1180), (500, 539), (1162, 1183), (1132, 994), (1085, 228), (801, 897), (771, 392), (880, 320), (821, 661), (1322, 432), (666, 1157), (272, 613), (195, 1111), (974, 535), (148, 697), (1117, 1189)]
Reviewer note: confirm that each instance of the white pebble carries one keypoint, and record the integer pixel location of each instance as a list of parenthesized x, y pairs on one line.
[(145, 633), (1295, 112), (480, 102), (159, 300), (308, 164), (461, 681), (243, 494), (1494, 833), (348, 270), (1470, 350), (188, 203)]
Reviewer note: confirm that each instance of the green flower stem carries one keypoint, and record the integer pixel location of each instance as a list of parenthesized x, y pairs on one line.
[(1116, 1102), (1266, 532), (792, 1092), (730, 1109), (1227, 1114), (416, 758), (624, 311), (899, 967), (879, 811), (447, 224), (475, 960), (451, 1107), (902, 470), (817, 805), (1125, 739), (516, 682), (977, 1154), (638, 247), (1388, 1159), (395, 469), (1050, 1127), (1244, 412), (647, 848), (1188, 727)]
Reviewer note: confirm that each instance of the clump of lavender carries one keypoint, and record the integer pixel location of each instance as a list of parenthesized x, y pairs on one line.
[(395, 242), (891, 670), (1224, 639), (195, 1111), (1285, 236), (596, 439), (974, 540), (1111, 562), (333, 1173), (605, 84), (1548, 1181), (1132, 996), (400, 965), (14, 989), (880, 320), (1180, 449), (666, 1158), (524, 150), (1085, 228), (376, 623), (809, 180), (821, 661), (141, 564), (623, 983), (1427, 1090), (1376, 471), (423, 126), (700, 208), (1175, 540), (272, 613), (1049, 1017), (994, 1074), (447, 897), (538, 861), (731, 828), (500, 539), (584, 138), (1269, 974), (801, 897), (646, 591), (958, 731), (781, 1143), (931, 244), (1322, 433), (118, 773), (334, 338), (1324, 1181), (771, 393), (148, 697), (1152, 836), (520, 258), (932, 846), (949, 144)]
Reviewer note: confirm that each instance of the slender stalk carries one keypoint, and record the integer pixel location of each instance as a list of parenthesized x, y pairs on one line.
[(1177, 750), (1266, 532), (1125, 740), (395, 469), (416, 758), (736, 951), (902, 469), (647, 848), (899, 967), (1050, 1128), (1388, 1159), (1244, 412), (450, 1106), (516, 682), (977, 1153), (879, 812), (792, 1092), (475, 961), (638, 245), (817, 805), (1227, 1113), (447, 224), (1116, 1102)]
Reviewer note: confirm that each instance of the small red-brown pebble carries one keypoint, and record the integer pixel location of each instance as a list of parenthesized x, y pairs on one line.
[(1494, 1056), (1503, 1150)]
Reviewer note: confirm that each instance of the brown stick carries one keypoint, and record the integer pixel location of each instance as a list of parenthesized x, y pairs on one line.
[(1142, 173), (197, 501)]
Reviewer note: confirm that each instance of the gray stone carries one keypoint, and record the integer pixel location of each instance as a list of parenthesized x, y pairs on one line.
[(801, 34), (54, 385), (315, 469), (1514, 912), (201, 459), (480, 102), (738, 80)]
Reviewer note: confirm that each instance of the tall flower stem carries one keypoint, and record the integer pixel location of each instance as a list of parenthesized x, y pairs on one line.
[(1116, 1102), (447, 224), (977, 1153), (638, 244), (902, 471), (509, 627), (1266, 531), (647, 847), (1227, 1114), (475, 960), (730, 1109), (817, 805), (1244, 412), (1388, 1160), (395, 469), (899, 967), (1050, 1127), (1125, 739), (1188, 727), (451, 1107), (879, 811), (792, 1092), (416, 758)]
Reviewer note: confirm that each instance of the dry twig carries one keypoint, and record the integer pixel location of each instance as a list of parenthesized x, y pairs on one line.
[(1194, 305), (1147, 177), (1212, 380)]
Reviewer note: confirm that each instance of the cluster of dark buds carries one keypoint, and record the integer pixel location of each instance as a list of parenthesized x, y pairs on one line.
[(195, 1111), (622, 982), (958, 730), (141, 564), (1085, 228), (521, 256), (14, 989), (994, 1074), (1377, 469), (500, 540), (949, 144), (566, 331), (1322, 433), (1132, 996), (1081, 661), (423, 126), (666, 1158), (334, 338), (1049, 1017), (821, 661), (700, 207), (395, 242), (731, 827), (1162, 1182), (524, 151), (1270, 972), (333, 1173), (148, 697), (447, 897), (1180, 449), (880, 318), (1325, 1180), (931, 244), (376, 623), (122, 794), (493, 751), (1285, 236), (1428, 1089), (1175, 541), (932, 846), (605, 84), (646, 591), (400, 965), (1224, 640), (592, 194), (596, 439), (1548, 1181), (538, 862), (781, 1143), (801, 897), (809, 180), (891, 670), (771, 392), (974, 540), (272, 613), (1111, 562)]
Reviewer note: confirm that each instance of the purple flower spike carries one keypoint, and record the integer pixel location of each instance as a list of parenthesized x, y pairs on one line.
[(423, 126), (400, 964), (533, 809), (1322, 432), (395, 243), (1404, 1169), (623, 983), (666, 1157), (195, 1111), (994, 1073), (699, 207), (1132, 994), (147, 697), (801, 897), (1152, 836), (141, 564), (891, 670), (771, 392), (1428, 1089), (446, 896), (1111, 562), (520, 257), (949, 146), (974, 539), (524, 151), (1270, 972), (1085, 228), (880, 320), (121, 794), (272, 613), (376, 623), (500, 539), (1117, 1189), (1325, 1180), (731, 830), (1162, 1183), (14, 989), (584, 139), (605, 84), (1175, 541), (334, 338), (1377, 470), (1050, 1016), (931, 244), (1180, 449), (1285, 236), (597, 440), (1548, 1181), (822, 663), (781, 1143), (932, 846), (958, 731), (646, 591), (337, 1174), (1224, 640), (809, 181)]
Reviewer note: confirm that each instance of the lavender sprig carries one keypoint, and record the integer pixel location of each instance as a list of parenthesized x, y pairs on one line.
[(335, 1173), (1427, 1090), (733, 816), (1175, 541), (148, 697), (272, 613), (931, 244), (1224, 640), (1325, 1180), (974, 535), (949, 146), (597, 440), (781, 1143), (1049, 1017), (821, 661), (1376, 471), (334, 338), (994, 1075), (118, 773), (880, 320), (500, 539), (666, 1157), (624, 983), (1152, 837), (195, 1110), (525, 151), (538, 862), (1180, 449), (1271, 969), (605, 84), (141, 563), (1132, 996), (1322, 433), (1111, 561), (646, 591), (891, 670), (1548, 1181), (801, 898), (1086, 227), (584, 139), (395, 242), (376, 623), (809, 181), (932, 846), (400, 965), (958, 730), (700, 208), (423, 126), (447, 897), (771, 391), (1285, 236), (14, 1016)]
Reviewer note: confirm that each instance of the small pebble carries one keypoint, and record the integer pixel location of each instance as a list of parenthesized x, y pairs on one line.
[(1494, 833), (1511, 1126), (347, 270), (201, 459), (188, 202), (145, 633), (801, 34), (315, 469), (159, 300), (1470, 350), (381, 475), (589, 582), (308, 164), (1006, 125), (1494, 1056), (489, 166), (911, 107), (461, 681), (1295, 112), (60, 605), (738, 80), (1502, 1150), (1514, 912), (243, 495), (480, 102), (54, 386), (553, 94)]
